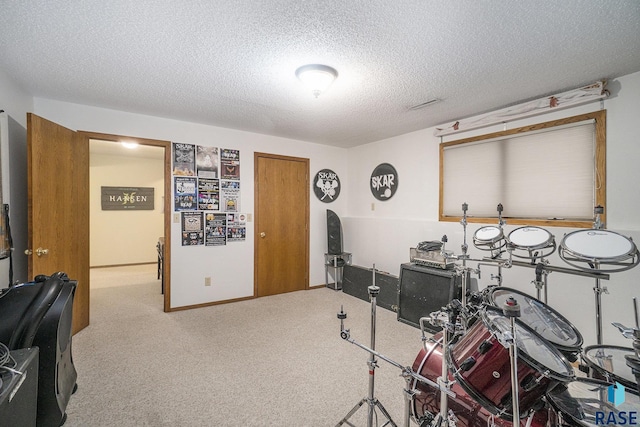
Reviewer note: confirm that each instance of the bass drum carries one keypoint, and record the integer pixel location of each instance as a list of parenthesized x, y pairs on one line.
[(481, 364), (544, 320), (608, 363), (584, 403), (468, 411)]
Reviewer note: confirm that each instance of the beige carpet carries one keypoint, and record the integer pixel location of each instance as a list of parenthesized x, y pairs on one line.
[(272, 361)]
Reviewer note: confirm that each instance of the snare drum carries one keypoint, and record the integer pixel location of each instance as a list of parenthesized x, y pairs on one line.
[(544, 320), (584, 403), (488, 238), (608, 363), (468, 412), (535, 241), (483, 368), (597, 247)]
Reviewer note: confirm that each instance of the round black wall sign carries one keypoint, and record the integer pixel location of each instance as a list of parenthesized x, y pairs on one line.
[(326, 185), (384, 181)]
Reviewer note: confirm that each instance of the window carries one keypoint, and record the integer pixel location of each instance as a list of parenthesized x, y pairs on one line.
[(551, 173)]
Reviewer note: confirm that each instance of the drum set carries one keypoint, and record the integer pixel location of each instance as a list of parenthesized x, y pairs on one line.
[(506, 358)]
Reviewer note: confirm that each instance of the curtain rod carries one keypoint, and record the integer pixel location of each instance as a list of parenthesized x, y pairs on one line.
[(571, 98)]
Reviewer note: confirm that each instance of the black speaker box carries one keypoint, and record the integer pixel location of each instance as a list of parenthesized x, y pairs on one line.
[(424, 290), (356, 281), (19, 390), (334, 233)]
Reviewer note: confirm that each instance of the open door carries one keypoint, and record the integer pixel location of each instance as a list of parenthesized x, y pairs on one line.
[(58, 207)]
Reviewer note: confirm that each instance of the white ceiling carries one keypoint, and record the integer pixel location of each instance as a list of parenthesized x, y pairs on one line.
[(232, 63)]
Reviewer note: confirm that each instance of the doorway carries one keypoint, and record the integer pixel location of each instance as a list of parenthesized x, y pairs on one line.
[(149, 227), (126, 191), (282, 224)]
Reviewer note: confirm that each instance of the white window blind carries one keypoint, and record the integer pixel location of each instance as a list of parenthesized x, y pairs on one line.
[(545, 174)]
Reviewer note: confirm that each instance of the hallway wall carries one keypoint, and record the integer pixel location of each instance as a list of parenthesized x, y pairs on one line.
[(124, 236)]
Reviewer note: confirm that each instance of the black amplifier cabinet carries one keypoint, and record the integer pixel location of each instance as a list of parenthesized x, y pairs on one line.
[(424, 290), (356, 281), (19, 392)]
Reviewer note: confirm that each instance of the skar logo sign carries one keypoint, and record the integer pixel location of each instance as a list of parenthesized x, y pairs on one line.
[(127, 198), (384, 181), (326, 186)]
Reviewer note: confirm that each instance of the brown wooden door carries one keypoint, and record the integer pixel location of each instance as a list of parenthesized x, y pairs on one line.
[(58, 207), (282, 224)]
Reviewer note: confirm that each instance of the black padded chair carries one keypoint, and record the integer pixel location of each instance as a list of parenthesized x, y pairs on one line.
[(39, 314)]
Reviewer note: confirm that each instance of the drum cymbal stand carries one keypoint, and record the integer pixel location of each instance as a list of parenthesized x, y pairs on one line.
[(370, 400), (407, 372), (464, 256), (511, 309)]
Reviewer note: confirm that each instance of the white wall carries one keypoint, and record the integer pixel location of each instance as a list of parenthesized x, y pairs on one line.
[(383, 236), (16, 103), (124, 236), (230, 266)]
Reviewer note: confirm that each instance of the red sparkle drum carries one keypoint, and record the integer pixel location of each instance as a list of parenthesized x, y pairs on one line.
[(535, 242), (584, 403), (591, 249), (544, 320), (468, 411), (489, 238), (481, 364)]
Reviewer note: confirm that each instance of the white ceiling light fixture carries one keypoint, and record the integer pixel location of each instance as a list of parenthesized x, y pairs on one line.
[(316, 77), (130, 145)]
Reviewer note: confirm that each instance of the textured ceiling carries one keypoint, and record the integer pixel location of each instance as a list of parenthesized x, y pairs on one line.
[(232, 63)]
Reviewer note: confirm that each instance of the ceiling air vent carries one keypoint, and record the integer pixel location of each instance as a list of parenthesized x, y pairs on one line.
[(425, 104)]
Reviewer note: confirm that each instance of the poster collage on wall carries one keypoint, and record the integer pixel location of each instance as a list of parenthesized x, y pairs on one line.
[(206, 184)]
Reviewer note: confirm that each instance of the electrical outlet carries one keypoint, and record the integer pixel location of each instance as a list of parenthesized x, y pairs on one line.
[(176, 218), (207, 281)]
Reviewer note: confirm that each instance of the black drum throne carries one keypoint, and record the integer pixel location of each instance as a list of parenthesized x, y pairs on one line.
[(39, 314)]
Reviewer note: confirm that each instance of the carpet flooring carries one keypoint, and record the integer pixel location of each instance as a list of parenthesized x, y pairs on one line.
[(271, 361)]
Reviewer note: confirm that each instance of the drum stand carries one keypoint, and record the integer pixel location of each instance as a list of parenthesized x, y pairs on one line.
[(633, 360), (370, 400), (598, 291), (464, 255), (501, 223), (407, 372), (511, 310), (541, 279), (444, 419)]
